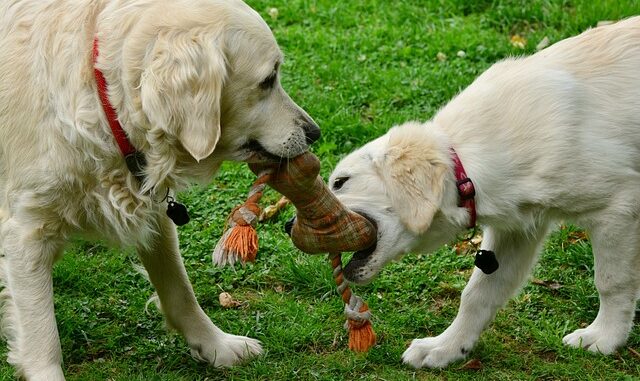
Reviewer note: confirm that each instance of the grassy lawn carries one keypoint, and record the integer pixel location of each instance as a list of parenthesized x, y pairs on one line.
[(358, 67)]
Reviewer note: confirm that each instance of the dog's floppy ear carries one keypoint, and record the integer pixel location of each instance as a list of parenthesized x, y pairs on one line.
[(413, 172), (181, 89)]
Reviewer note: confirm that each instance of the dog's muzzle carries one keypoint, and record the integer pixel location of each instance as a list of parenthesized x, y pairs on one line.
[(259, 154)]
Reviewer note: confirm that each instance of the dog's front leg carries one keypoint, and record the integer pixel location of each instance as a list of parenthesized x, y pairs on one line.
[(481, 298), (168, 275), (27, 300)]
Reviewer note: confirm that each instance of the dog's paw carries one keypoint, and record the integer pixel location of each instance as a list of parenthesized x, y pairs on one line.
[(435, 352), (227, 350), (595, 340)]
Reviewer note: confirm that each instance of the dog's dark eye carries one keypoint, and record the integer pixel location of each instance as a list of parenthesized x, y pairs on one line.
[(339, 182), (269, 81)]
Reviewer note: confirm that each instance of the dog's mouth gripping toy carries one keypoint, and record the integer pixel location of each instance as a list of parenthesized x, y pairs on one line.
[(322, 225)]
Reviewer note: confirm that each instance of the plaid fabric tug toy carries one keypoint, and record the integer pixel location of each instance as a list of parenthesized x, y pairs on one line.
[(322, 225)]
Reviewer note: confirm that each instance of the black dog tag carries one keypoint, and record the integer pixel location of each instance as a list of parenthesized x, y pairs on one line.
[(486, 261), (177, 212)]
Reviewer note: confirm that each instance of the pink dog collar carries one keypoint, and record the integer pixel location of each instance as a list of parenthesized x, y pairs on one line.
[(466, 190)]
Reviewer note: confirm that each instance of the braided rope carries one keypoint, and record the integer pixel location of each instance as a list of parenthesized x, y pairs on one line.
[(361, 335), (239, 243)]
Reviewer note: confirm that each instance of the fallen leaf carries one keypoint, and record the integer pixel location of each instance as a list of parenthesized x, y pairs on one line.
[(273, 12), (577, 237), (226, 300), (473, 364), (605, 22), (552, 285), (543, 43), (463, 247), (336, 341), (477, 239), (268, 212), (272, 210), (518, 41)]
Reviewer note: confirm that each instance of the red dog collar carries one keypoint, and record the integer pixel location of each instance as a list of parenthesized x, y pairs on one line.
[(112, 117), (134, 159), (466, 190)]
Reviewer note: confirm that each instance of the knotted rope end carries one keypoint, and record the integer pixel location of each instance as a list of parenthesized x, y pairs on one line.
[(361, 334), (239, 243)]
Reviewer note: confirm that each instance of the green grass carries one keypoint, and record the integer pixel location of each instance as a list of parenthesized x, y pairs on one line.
[(357, 67)]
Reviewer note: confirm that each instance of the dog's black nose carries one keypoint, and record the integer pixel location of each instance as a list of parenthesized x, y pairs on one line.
[(289, 225), (312, 133), (311, 129)]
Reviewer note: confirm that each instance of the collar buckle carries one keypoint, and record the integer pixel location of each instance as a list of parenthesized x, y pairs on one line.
[(136, 163), (466, 190)]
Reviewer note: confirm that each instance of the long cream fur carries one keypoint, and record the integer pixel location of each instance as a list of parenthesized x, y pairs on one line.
[(185, 79), (550, 137)]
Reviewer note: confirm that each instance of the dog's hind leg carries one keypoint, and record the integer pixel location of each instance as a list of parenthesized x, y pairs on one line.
[(29, 322), (616, 249), (167, 273), (481, 299)]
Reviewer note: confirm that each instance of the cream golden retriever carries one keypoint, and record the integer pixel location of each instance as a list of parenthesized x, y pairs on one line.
[(193, 83), (548, 137)]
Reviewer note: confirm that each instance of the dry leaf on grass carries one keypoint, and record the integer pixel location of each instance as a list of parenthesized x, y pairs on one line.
[(634, 352), (605, 22), (473, 364), (577, 237), (226, 300), (468, 246), (463, 247), (477, 239), (272, 210), (273, 12), (518, 41), (543, 43), (548, 284)]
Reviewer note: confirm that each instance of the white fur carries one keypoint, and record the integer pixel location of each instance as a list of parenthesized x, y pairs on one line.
[(184, 77), (548, 137)]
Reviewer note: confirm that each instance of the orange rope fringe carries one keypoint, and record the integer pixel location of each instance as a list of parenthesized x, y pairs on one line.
[(243, 240), (361, 334)]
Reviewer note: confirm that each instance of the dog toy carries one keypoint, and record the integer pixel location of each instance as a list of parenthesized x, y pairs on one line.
[(240, 239), (322, 225)]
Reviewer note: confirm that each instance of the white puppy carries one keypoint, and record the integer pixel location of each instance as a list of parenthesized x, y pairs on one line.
[(192, 82), (552, 136)]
